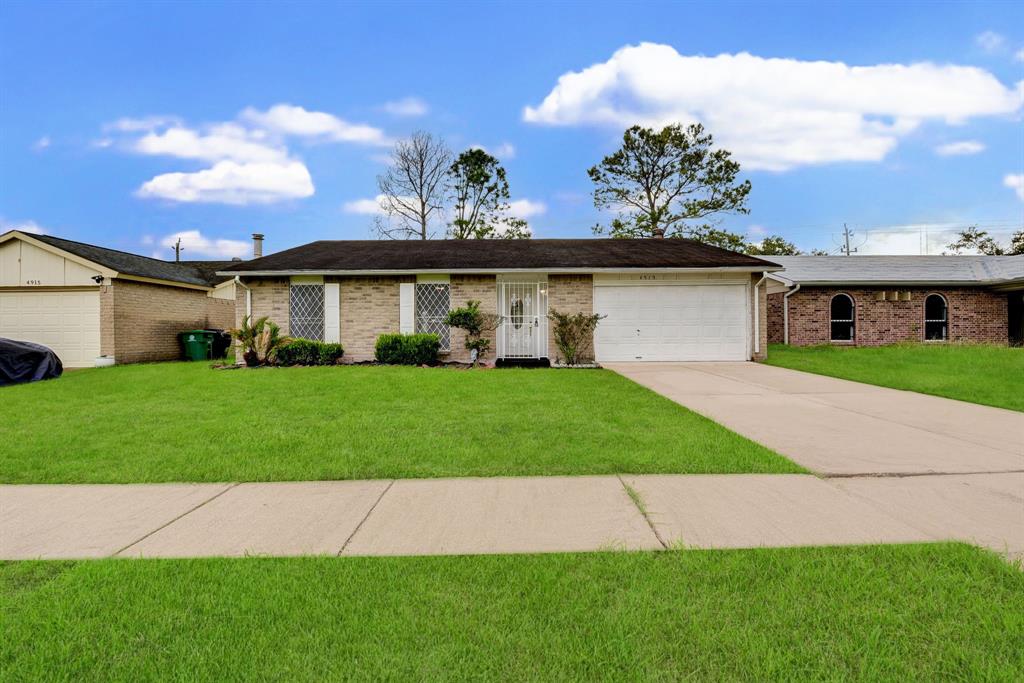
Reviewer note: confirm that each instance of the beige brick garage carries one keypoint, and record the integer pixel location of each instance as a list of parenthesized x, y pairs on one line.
[(84, 301)]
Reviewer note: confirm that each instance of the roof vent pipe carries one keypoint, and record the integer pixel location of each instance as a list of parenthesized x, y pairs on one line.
[(257, 245)]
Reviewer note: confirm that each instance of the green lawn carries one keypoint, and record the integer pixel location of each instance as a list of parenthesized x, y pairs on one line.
[(928, 612), (187, 422), (991, 375)]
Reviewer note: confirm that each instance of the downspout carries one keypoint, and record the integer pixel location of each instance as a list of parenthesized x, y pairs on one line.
[(757, 314), (785, 313), (248, 296)]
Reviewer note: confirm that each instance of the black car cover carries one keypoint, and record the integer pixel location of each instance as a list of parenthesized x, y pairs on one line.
[(27, 362)]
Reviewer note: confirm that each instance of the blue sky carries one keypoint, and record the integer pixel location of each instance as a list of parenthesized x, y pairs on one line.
[(126, 124)]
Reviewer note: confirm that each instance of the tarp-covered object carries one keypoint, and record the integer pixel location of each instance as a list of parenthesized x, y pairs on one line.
[(27, 362)]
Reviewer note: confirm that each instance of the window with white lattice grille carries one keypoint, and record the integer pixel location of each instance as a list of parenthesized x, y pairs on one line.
[(433, 300), (306, 311)]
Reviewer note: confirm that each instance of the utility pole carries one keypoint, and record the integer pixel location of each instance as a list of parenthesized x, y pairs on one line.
[(846, 241), (177, 251)]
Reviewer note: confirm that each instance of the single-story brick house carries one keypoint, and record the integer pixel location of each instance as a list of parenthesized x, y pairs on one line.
[(84, 301), (876, 300), (665, 300)]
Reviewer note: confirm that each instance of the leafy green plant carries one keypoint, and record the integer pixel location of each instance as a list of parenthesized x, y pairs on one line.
[(407, 349), (308, 352), (574, 335), (476, 323), (259, 339)]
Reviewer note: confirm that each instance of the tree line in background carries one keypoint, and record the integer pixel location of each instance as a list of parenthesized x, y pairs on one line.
[(661, 184)]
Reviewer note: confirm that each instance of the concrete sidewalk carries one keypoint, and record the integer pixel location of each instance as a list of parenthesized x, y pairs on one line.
[(505, 515), (840, 428)]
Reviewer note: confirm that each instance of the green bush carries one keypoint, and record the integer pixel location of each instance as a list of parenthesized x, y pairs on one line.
[(308, 352), (407, 349)]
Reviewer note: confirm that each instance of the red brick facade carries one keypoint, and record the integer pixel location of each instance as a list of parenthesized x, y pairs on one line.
[(975, 315)]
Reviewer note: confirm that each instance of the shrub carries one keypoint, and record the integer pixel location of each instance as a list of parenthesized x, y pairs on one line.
[(308, 352), (574, 335), (260, 339), (476, 323), (407, 349)]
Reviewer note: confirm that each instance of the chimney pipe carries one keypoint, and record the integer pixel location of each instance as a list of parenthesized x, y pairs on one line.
[(257, 245)]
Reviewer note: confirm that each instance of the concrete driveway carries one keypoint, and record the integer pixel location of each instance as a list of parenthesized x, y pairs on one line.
[(841, 428)]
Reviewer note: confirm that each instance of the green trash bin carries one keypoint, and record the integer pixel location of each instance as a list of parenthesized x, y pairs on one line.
[(196, 344)]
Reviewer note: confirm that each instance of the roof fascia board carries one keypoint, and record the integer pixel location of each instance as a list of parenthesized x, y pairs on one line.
[(166, 283), (24, 237), (498, 271)]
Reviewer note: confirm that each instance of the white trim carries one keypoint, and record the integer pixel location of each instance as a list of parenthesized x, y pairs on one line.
[(332, 313), (406, 307), (757, 315), (432, 277)]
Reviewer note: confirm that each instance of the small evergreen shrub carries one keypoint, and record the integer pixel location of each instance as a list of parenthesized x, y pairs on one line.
[(407, 349), (308, 352), (574, 335)]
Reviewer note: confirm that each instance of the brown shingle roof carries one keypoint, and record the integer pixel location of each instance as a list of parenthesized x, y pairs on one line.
[(487, 255)]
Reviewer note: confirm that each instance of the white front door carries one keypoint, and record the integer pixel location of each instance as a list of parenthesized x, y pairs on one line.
[(678, 322), (524, 331), (68, 322)]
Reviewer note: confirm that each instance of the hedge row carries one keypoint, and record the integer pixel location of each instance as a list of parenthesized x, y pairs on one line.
[(407, 349)]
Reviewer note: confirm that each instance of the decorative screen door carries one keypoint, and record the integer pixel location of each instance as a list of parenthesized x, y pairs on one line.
[(524, 329)]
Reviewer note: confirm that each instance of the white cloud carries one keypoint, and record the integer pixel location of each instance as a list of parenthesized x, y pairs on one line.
[(194, 244), (31, 227), (366, 207), (224, 141), (42, 143), (990, 41), (961, 148), (756, 231), (148, 123), (1018, 56), (407, 106), (775, 114), (102, 143), (524, 208), (1015, 181), (230, 182), (288, 119)]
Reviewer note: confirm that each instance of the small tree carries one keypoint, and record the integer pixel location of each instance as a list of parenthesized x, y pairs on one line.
[(773, 245), (476, 323), (259, 340), (574, 335)]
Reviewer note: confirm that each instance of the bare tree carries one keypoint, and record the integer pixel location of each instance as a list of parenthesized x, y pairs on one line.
[(413, 188)]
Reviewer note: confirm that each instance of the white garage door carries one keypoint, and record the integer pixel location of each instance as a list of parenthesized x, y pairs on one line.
[(671, 322), (67, 322)]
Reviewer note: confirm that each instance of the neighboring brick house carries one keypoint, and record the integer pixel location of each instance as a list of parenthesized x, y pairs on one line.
[(85, 301), (664, 300), (877, 300)]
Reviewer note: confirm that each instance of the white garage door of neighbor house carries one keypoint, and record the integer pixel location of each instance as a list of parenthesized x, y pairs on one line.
[(671, 322), (67, 322)]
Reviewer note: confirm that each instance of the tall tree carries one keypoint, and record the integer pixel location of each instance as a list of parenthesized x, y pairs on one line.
[(980, 241), (413, 189), (480, 199), (667, 183)]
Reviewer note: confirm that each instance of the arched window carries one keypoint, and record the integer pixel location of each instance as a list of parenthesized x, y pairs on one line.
[(842, 318), (936, 318)]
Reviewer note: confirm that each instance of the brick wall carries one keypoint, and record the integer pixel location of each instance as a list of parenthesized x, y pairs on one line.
[(220, 313), (975, 315), (369, 308), (269, 298), (776, 331), (147, 318), (570, 294), (482, 288)]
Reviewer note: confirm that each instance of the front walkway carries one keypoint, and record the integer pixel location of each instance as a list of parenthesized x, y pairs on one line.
[(505, 515), (835, 427)]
